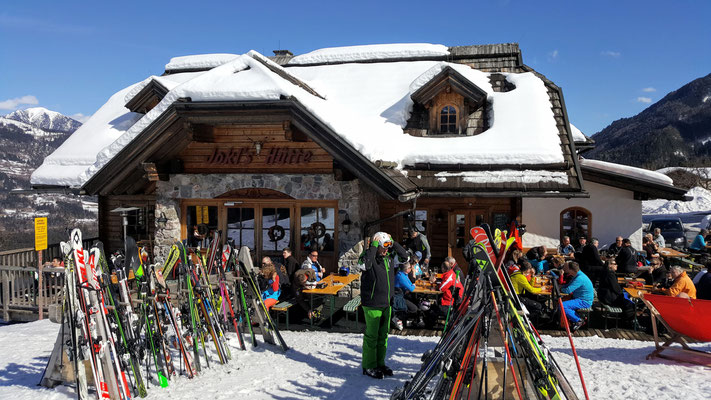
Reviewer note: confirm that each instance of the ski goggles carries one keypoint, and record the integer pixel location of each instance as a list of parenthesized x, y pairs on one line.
[(387, 245)]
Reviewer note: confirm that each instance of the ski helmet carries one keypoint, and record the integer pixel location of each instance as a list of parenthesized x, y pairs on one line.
[(382, 238)]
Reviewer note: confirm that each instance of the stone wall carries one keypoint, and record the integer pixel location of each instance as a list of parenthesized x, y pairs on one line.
[(355, 199)]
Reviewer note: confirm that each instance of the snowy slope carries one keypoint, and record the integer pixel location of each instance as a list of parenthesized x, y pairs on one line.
[(45, 119), (327, 366), (700, 203)]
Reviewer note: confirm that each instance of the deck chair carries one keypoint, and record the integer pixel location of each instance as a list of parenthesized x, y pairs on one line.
[(683, 318)]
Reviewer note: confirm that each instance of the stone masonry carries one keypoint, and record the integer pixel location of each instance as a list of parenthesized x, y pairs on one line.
[(354, 198)]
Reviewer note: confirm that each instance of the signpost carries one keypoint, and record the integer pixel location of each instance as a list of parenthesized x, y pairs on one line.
[(40, 244)]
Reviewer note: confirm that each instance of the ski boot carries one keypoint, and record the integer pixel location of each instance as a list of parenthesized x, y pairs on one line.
[(373, 373)]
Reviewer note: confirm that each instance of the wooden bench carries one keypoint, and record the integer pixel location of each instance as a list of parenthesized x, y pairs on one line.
[(352, 307), (609, 312), (283, 307)]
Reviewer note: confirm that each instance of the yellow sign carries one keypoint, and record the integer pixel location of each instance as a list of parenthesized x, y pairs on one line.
[(40, 233)]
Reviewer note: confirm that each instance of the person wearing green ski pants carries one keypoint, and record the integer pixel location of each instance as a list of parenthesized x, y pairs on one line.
[(376, 295), (375, 339)]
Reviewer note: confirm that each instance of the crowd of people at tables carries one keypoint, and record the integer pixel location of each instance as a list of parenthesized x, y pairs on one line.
[(580, 270)]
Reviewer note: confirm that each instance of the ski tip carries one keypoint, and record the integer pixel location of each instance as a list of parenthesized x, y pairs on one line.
[(163, 380)]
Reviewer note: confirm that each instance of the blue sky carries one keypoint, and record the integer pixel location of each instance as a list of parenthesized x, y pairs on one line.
[(612, 58)]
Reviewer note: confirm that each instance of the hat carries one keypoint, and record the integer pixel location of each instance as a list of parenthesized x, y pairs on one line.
[(418, 255), (512, 268)]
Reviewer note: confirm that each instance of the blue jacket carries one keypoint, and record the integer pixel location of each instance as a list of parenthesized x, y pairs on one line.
[(699, 243), (580, 287), (272, 291), (403, 282)]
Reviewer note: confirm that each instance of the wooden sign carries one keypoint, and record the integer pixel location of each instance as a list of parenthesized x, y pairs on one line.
[(245, 156), (40, 233)]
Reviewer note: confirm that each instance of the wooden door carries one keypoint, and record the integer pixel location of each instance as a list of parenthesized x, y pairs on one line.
[(460, 222)]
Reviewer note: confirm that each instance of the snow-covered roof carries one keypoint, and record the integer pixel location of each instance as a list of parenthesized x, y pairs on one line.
[(641, 173), (578, 135), (380, 52), (366, 104), (199, 61), (506, 175)]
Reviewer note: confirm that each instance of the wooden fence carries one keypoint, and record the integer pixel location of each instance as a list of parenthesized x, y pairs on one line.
[(20, 292), (28, 257)]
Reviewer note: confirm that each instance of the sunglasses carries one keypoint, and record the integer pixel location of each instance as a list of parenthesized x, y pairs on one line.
[(313, 255)]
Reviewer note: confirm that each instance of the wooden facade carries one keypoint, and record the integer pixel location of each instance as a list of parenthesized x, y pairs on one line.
[(449, 220), (233, 149), (142, 221)]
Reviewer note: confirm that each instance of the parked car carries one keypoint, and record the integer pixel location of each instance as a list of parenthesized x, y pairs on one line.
[(672, 230)]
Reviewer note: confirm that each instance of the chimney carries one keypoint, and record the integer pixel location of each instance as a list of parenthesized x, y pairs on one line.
[(283, 53)]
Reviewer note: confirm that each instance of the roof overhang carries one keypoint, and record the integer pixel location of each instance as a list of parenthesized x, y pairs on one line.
[(167, 136), (447, 79), (643, 189), (147, 98)]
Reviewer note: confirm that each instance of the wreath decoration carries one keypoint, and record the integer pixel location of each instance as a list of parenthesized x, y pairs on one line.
[(319, 230), (276, 233)]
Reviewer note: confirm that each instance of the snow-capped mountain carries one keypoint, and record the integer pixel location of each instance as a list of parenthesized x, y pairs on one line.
[(26, 138), (42, 118)]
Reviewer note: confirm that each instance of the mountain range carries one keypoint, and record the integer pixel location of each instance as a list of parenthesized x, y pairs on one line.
[(675, 131), (26, 138)]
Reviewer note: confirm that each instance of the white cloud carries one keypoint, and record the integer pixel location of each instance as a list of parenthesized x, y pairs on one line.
[(553, 55), (11, 104), (649, 89), (642, 99), (80, 117), (610, 53)]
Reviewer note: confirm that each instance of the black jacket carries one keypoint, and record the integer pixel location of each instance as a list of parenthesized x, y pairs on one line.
[(626, 260), (292, 265), (609, 289), (590, 257), (378, 280)]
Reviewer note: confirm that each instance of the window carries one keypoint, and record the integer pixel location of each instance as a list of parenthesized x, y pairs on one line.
[(575, 222), (448, 120), (419, 221), (276, 228), (137, 227), (240, 226), (318, 227)]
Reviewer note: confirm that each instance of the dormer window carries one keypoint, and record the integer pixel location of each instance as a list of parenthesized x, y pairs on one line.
[(448, 120), (448, 104)]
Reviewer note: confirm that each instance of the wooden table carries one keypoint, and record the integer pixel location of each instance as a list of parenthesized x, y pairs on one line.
[(544, 283), (334, 284), (669, 252), (637, 292), (425, 287)]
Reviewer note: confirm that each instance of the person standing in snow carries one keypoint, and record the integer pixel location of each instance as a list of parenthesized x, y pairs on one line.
[(377, 284)]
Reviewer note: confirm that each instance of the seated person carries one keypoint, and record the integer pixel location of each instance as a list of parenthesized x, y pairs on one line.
[(455, 267), (513, 257), (403, 305), (626, 258), (649, 247), (610, 293), (565, 248), (269, 283), (582, 241), (654, 273), (537, 257), (520, 279), (699, 243), (681, 284), (451, 289), (311, 262), (614, 248), (658, 238), (304, 279), (590, 262), (416, 268), (702, 282), (581, 292)]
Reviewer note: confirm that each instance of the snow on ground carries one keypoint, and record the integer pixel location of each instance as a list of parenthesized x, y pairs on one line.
[(327, 366), (618, 369), (701, 202)]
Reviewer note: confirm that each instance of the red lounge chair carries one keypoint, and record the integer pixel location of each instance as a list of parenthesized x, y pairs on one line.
[(683, 318)]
